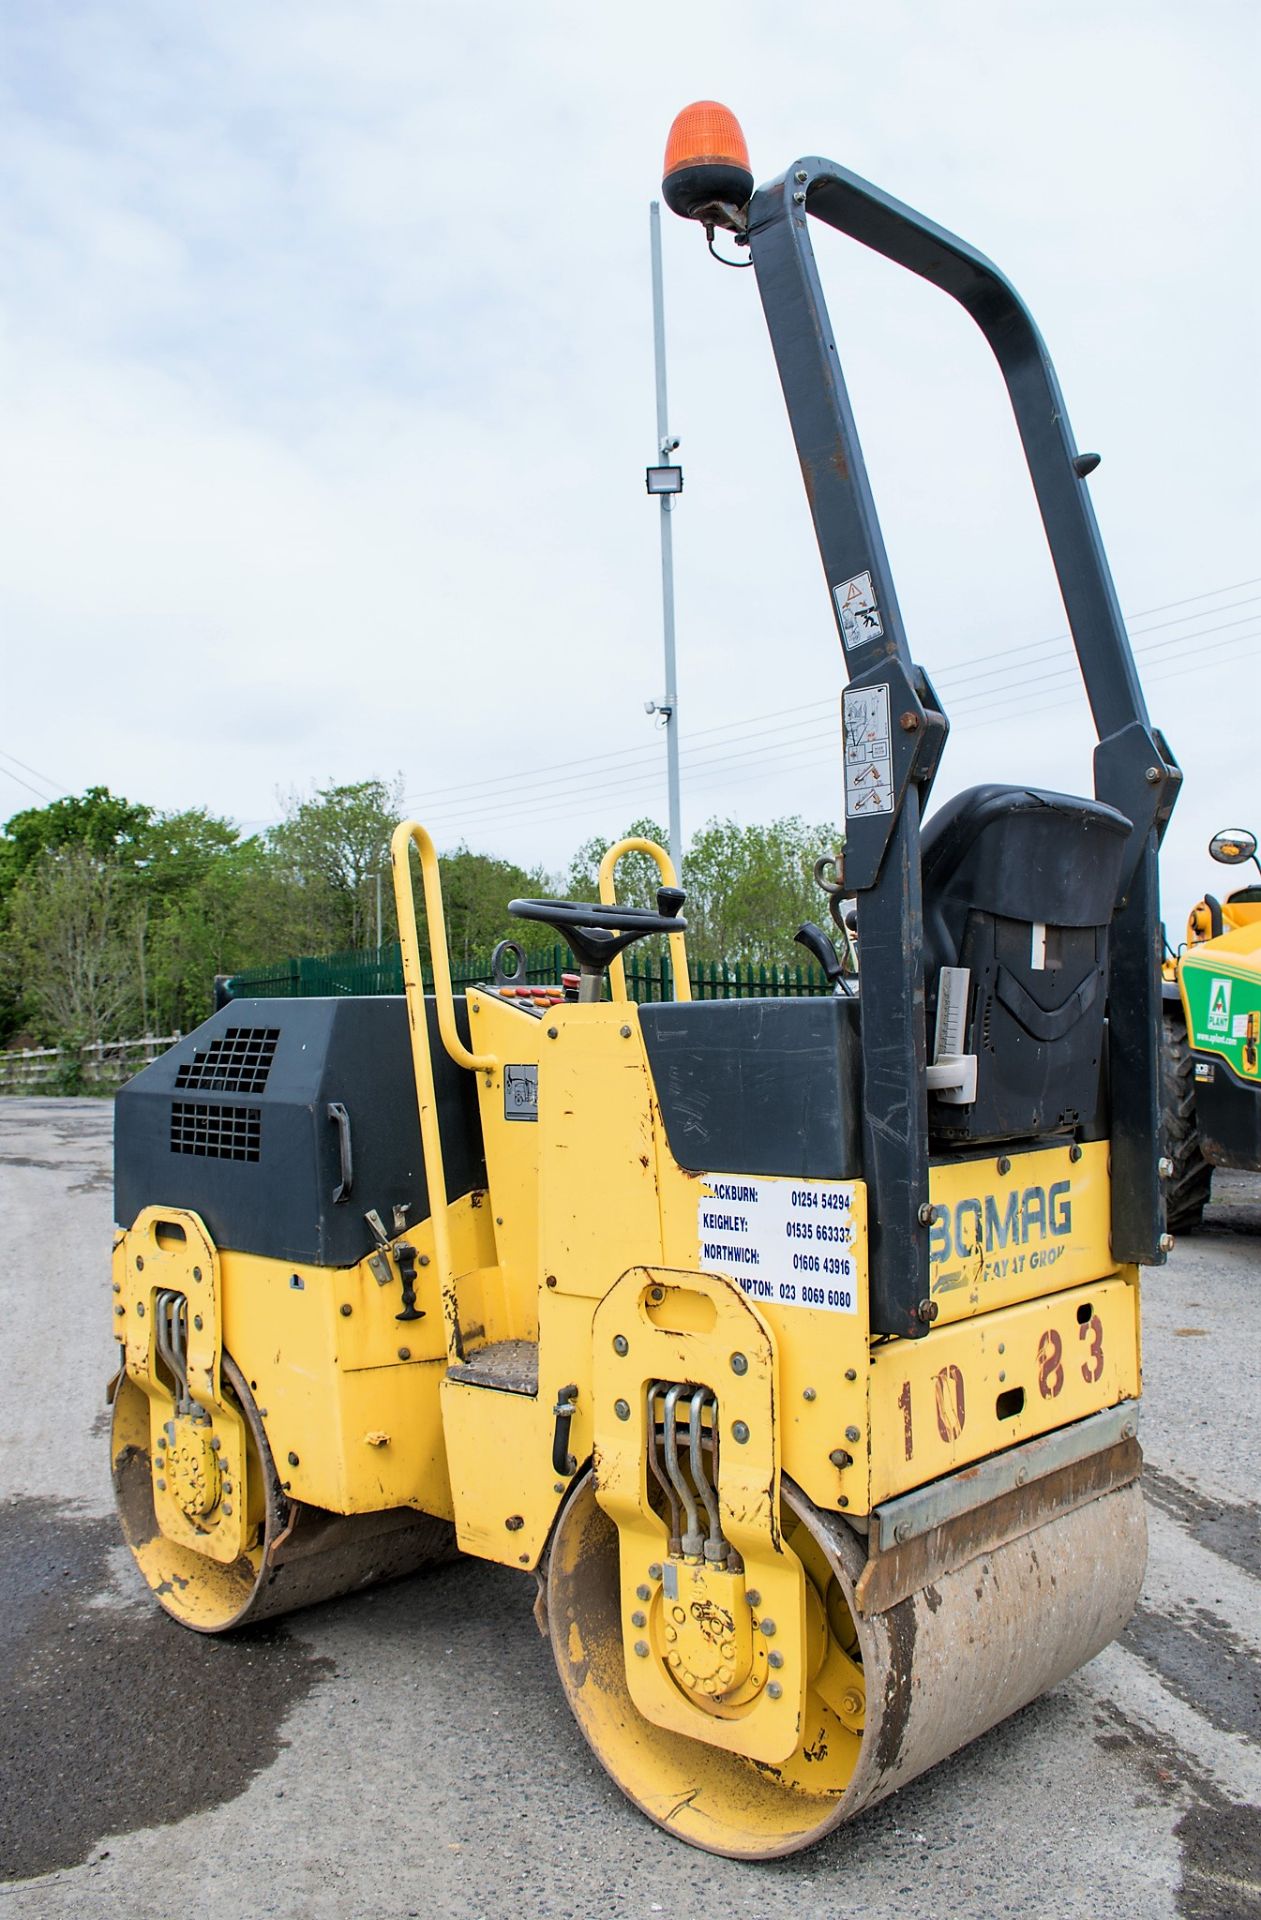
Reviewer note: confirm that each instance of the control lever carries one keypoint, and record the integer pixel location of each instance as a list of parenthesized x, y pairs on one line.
[(669, 900), (405, 1256), (816, 942)]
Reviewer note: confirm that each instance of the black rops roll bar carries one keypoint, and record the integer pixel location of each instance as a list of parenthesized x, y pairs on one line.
[(890, 705)]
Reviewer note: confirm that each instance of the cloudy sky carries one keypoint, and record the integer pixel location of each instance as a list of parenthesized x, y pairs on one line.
[(325, 341)]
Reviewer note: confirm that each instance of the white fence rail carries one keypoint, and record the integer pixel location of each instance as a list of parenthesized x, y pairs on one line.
[(105, 1063)]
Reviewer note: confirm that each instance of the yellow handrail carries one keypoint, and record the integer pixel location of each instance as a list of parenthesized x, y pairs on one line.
[(422, 1059), (407, 832), (608, 898)]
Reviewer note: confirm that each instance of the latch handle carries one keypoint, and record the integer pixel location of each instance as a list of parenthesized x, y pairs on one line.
[(341, 1119), (563, 1461)]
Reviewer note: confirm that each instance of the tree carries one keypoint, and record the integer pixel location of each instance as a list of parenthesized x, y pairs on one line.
[(240, 911), (476, 889), (750, 887), (333, 846), (747, 889), (178, 851), (103, 822), (74, 924), (637, 877)]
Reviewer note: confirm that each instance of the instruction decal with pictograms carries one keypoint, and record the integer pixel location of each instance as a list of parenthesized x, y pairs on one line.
[(856, 605), (868, 757), (521, 1092)]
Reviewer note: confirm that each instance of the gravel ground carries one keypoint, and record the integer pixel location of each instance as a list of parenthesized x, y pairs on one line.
[(408, 1752)]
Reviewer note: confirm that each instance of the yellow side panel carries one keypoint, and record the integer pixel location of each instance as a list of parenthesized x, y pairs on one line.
[(170, 1249), (516, 1039), (1001, 1236), (597, 1154), (339, 1382), (500, 1444), (1037, 1230), (504, 1491), (350, 1440), (985, 1384)]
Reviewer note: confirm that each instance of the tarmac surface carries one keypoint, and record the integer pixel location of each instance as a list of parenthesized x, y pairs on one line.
[(408, 1752)]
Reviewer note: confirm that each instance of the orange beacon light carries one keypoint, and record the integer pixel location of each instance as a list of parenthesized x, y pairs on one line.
[(706, 174)]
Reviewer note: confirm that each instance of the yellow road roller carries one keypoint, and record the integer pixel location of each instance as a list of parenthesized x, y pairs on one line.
[(792, 1345)]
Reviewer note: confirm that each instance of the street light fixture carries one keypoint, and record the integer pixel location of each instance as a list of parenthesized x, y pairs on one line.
[(664, 479)]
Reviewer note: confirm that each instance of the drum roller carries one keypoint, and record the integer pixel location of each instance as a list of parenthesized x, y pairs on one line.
[(940, 1667), (298, 1555)]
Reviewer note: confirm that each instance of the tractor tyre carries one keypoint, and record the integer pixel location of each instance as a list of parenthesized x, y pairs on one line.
[(1188, 1186)]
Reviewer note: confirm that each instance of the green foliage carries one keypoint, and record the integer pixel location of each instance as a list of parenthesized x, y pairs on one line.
[(476, 889), (239, 911), (750, 888), (115, 917), (76, 929), (637, 876), (179, 851), (107, 825), (332, 847), (103, 891)]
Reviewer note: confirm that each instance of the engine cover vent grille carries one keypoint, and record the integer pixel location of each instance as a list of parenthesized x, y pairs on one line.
[(216, 1133), (237, 1061)]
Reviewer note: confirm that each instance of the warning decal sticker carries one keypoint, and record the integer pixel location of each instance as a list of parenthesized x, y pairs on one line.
[(521, 1092), (860, 616), (868, 763)]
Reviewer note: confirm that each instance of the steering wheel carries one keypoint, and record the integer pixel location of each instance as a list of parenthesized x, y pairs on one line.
[(598, 934)]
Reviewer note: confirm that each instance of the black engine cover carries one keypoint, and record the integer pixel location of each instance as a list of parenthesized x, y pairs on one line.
[(234, 1124)]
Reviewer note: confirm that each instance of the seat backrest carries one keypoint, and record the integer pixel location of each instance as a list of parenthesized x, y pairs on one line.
[(1020, 887)]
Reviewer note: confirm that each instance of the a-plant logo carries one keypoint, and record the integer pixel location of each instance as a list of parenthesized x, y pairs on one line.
[(1219, 1006)]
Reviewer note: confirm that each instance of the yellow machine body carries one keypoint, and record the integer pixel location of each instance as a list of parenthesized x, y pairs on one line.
[(524, 1404), (1237, 916), (1036, 1325), (597, 1312)]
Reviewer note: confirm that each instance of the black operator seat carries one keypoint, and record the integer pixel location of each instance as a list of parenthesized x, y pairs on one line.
[(1020, 887)]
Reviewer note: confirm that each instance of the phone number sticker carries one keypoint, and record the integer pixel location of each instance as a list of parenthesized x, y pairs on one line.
[(788, 1243)]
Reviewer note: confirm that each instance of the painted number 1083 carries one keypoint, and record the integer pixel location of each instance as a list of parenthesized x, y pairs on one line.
[(949, 1405)]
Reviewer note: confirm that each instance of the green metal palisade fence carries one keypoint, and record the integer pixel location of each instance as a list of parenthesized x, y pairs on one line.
[(380, 970)]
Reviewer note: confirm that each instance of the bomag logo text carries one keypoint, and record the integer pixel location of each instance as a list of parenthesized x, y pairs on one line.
[(990, 1224)]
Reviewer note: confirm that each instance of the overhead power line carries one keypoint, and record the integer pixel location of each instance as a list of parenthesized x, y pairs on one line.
[(19, 781), (827, 756), (725, 758), (43, 795), (639, 763), (819, 749)]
